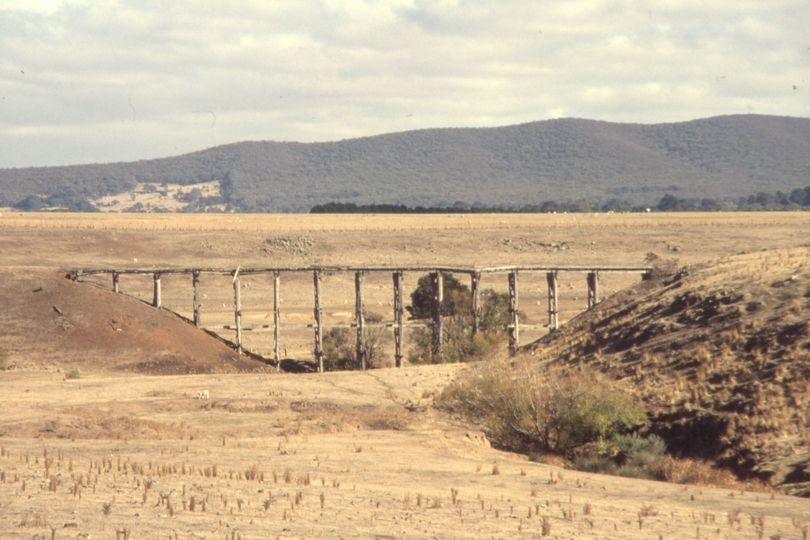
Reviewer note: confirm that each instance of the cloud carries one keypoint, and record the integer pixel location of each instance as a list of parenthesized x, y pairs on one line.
[(121, 80)]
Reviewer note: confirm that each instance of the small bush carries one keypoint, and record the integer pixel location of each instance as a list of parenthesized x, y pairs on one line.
[(633, 472), (340, 347), (687, 471), (629, 455), (596, 464), (637, 451), (73, 373), (524, 410)]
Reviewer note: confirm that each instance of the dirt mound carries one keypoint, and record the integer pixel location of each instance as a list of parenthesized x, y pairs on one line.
[(50, 322), (721, 355)]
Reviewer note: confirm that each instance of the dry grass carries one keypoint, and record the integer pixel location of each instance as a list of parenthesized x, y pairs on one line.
[(188, 466)]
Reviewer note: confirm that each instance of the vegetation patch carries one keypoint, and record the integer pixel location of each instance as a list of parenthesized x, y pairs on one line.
[(459, 341), (524, 409)]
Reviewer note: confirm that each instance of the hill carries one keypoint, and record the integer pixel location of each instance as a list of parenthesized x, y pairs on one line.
[(722, 157), (53, 323), (719, 353)]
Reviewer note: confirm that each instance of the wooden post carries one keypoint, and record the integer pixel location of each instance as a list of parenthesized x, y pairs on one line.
[(276, 320), (115, 281), (399, 326), (593, 289), (476, 302), (195, 280), (551, 277), (514, 328), (318, 320), (438, 299), (156, 297), (360, 320), (237, 312)]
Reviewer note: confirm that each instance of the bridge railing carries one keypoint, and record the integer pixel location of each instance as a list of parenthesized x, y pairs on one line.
[(399, 325)]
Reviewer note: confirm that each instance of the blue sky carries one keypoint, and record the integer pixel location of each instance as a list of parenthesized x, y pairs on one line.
[(106, 81)]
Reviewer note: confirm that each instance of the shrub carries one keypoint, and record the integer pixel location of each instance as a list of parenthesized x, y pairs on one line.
[(340, 347), (524, 410), (73, 373), (635, 450), (687, 471), (595, 464), (459, 344), (631, 455), (634, 472)]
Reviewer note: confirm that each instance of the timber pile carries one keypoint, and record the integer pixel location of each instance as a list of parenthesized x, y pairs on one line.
[(720, 354)]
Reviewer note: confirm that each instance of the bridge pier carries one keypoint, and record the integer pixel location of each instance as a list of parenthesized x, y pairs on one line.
[(316, 276), (438, 299), (551, 277), (593, 289), (237, 311), (195, 281), (360, 319), (514, 326), (399, 326), (475, 287), (156, 301), (276, 320)]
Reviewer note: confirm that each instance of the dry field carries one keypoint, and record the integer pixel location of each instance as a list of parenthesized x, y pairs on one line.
[(249, 241), (121, 453)]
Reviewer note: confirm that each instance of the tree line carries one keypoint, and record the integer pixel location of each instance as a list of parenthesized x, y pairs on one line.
[(798, 199)]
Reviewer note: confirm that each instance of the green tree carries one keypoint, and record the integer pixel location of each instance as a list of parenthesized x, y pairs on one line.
[(456, 297), (32, 203)]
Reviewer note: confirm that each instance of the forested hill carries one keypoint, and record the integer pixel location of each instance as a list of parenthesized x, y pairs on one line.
[(723, 157)]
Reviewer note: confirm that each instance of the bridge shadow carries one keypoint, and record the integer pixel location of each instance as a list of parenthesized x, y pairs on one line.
[(290, 365)]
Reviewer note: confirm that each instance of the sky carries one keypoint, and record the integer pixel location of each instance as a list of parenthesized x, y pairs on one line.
[(98, 81)]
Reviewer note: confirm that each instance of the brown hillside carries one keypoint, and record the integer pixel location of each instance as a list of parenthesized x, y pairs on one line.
[(51, 322), (721, 355)]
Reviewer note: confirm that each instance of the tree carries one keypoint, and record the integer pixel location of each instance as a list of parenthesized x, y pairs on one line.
[(459, 344), (709, 205), (801, 196), (617, 205), (456, 297), (671, 203), (32, 203)]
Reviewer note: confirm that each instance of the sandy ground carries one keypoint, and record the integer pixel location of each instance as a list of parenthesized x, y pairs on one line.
[(340, 455)]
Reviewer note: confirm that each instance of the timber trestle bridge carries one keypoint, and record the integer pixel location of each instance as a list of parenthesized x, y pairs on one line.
[(360, 325)]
